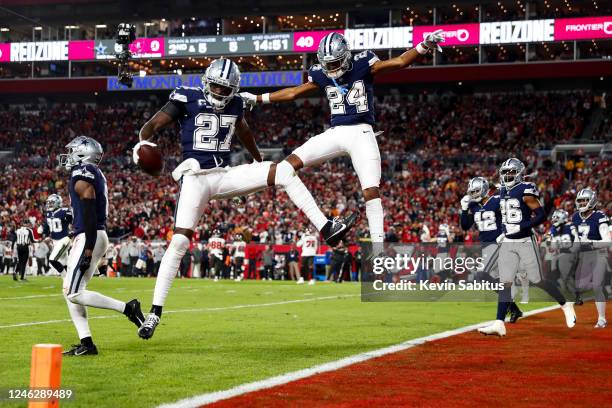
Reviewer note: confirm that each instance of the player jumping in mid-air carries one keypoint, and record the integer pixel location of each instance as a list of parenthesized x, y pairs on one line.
[(57, 228), (347, 80), (208, 117), (477, 207), (89, 201), (592, 231), (521, 212)]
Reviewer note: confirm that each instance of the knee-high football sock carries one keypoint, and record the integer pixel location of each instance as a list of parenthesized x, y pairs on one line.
[(503, 303), (375, 214), (167, 270), (98, 300), (299, 194), (78, 314), (601, 310), (550, 288)]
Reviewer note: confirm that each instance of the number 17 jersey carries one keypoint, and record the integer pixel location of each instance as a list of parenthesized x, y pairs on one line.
[(351, 97)]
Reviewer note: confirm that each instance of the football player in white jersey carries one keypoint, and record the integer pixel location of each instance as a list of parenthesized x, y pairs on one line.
[(238, 247), (309, 242), (348, 83), (216, 245)]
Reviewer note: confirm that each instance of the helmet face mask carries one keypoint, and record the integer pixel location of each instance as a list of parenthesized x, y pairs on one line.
[(478, 188), (54, 201), (334, 55), (221, 82), (81, 150), (559, 217), (511, 172), (586, 200)]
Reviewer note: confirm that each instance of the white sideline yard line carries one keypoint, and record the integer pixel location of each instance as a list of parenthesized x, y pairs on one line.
[(205, 309), (211, 397)]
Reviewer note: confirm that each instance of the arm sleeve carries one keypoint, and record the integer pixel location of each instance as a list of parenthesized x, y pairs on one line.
[(88, 206), (467, 220), (538, 218), (174, 109)]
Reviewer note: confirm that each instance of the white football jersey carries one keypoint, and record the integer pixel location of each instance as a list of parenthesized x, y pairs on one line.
[(238, 248), (215, 246), (309, 244)]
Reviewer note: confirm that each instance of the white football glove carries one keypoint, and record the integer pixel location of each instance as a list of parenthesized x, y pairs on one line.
[(465, 202), (137, 146), (248, 98), (431, 43), (501, 238)]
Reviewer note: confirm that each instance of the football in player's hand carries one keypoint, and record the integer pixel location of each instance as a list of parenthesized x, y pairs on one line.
[(150, 160)]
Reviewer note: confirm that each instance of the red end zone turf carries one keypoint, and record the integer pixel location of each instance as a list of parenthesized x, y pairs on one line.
[(539, 363)]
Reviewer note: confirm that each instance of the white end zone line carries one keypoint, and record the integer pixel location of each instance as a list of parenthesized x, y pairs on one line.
[(205, 309), (209, 398)]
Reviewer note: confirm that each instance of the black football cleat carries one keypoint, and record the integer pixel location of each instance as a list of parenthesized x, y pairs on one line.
[(515, 314), (147, 329), (133, 312), (579, 301), (337, 228), (81, 350)]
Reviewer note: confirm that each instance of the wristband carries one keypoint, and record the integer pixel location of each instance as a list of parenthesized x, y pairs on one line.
[(265, 98), (421, 49)]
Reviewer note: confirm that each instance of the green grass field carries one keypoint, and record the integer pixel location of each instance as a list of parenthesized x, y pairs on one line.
[(214, 335)]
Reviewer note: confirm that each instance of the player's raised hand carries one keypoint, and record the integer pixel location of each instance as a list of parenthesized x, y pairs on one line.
[(135, 156), (248, 98), (465, 202), (432, 42)]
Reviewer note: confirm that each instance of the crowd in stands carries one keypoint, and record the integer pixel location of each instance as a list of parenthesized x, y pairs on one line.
[(431, 146)]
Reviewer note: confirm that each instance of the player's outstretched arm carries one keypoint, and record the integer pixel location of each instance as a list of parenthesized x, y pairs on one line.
[(429, 44), (248, 140), (283, 95)]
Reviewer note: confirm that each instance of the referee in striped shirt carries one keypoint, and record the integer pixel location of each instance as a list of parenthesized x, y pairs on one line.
[(25, 238)]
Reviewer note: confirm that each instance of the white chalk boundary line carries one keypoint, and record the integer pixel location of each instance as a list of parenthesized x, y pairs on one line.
[(205, 309), (209, 398)]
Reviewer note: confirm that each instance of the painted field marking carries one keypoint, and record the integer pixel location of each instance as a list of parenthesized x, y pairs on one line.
[(205, 309), (211, 397)]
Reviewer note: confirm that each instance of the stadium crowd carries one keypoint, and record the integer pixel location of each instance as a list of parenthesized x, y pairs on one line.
[(431, 145)]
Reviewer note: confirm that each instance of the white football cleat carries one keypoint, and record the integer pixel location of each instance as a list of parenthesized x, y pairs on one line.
[(300, 281), (311, 282), (601, 324), (216, 279), (570, 314), (497, 328)]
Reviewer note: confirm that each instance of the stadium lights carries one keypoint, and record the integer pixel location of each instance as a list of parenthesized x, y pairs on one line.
[(37, 28), (71, 27), (4, 29), (148, 24), (100, 25)]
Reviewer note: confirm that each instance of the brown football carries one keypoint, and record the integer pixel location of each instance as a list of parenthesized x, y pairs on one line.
[(150, 160)]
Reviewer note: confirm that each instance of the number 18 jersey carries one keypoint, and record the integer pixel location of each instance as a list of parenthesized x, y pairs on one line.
[(351, 97), (206, 133)]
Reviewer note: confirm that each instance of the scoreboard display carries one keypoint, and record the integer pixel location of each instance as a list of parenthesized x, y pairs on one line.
[(239, 44)]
